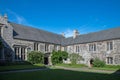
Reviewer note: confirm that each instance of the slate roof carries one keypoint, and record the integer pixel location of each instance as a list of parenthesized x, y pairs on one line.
[(109, 34), (29, 33)]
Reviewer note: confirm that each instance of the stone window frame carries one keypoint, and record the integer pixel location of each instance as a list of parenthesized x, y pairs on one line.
[(20, 54), (109, 60), (55, 47), (46, 47), (65, 48), (109, 45), (36, 44), (92, 47), (77, 48)]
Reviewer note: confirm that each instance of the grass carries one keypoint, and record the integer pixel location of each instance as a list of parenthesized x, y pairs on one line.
[(19, 67), (58, 74), (108, 67), (72, 65)]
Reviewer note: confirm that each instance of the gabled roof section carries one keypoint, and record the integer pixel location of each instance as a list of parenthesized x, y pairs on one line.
[(29, 33), (95, 36)]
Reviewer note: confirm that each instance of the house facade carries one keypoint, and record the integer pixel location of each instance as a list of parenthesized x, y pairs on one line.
[(19, 39)]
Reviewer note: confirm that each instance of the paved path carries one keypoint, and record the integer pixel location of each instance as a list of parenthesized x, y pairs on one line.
[(85, 69), (28, 70)]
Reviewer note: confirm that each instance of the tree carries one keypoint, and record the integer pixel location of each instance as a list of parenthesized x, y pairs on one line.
[(75, 57), (58, 56), (35, 57)]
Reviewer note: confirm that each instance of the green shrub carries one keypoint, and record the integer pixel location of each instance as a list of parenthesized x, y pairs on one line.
[(58, 56), (75, 57), (98, 63), (35, 57)]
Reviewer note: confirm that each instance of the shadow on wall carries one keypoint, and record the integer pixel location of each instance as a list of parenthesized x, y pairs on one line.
[(6, 54)]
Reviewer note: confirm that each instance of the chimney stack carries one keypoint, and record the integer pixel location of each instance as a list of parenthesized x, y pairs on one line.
[(6, 17), (63, 34), (75, 33)]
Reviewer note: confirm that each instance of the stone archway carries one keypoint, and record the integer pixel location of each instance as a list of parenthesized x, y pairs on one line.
[(91, 62), (46, 58)]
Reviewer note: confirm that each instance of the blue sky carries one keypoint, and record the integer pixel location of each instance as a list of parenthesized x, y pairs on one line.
[(64, 15)]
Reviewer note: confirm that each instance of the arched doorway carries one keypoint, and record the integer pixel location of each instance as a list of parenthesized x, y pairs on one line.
[(91, 62), (46, 58)]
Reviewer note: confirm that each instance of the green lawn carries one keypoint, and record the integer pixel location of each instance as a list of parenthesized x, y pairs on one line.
[(58, 74), (107, 67), (71, 65), (19, 67)]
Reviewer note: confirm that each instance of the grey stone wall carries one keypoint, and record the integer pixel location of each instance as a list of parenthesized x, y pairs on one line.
[(101, 51), (7, 37)]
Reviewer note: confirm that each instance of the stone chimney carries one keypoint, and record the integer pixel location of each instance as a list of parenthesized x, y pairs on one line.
[(75, 33), (6, 17), (63, 34)]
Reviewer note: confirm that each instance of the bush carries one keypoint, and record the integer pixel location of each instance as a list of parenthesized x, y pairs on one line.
[(58, 56), (35, 57), (98, 63), (75, 57)]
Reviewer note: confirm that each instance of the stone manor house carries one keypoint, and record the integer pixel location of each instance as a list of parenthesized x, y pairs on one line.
[(19, 39)]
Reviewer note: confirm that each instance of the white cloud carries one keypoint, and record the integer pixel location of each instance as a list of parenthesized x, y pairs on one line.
[(68, 33), (16, 17)]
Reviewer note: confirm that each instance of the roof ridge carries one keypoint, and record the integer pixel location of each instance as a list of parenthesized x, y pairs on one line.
[(96, 32)]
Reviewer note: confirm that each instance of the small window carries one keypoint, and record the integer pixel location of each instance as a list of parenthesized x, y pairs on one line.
[(109, 46), (46, 47), (77, 49), (92, 47), (17, 52), (109, 60), (36, 46)]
